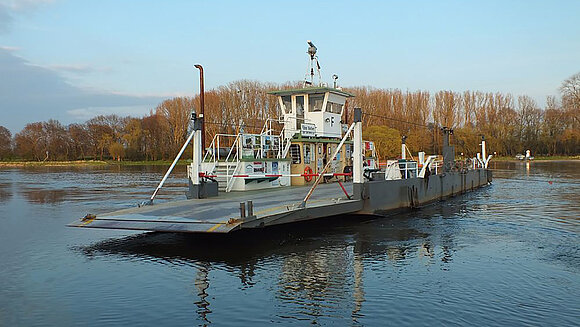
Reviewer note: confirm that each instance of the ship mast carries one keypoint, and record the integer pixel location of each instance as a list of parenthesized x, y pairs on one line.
[(312, 63)]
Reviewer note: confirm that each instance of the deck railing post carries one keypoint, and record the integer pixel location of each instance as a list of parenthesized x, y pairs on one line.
[(357, 171), (197, 153), (250, 206), (218, 148), (242, 210), (238, 147)]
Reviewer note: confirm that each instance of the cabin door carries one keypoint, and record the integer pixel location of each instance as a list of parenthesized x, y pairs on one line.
[(320, 156)]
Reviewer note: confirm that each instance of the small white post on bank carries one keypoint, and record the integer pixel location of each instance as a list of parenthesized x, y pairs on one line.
[(483, 154)]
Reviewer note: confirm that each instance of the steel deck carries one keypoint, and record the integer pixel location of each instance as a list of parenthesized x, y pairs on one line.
[(222, 214)]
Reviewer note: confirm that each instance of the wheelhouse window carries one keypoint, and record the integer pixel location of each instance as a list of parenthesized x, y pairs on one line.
[(300, 105), (315, 102), (335, 108), (287, 102)]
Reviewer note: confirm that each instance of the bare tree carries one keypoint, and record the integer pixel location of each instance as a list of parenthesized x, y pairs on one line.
[(570, 90), (5, 143), (176, 113)]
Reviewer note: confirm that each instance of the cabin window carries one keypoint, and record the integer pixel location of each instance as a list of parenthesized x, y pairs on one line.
[(308, 153), (315, 102), (295, 153), (335, 108), (287, 101), (348, 150), (300, 105)]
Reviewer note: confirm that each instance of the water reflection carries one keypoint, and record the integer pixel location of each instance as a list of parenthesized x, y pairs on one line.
[(527, 168), (507, 254), (5, 192), (44, 196), (359, 292), (319, 269), (54, 185), (201, 286)]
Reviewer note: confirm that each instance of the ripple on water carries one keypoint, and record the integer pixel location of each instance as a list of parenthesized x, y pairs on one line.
[(504, 255)]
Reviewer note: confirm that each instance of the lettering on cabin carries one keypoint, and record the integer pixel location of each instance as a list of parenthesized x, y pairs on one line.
[(308, 130)]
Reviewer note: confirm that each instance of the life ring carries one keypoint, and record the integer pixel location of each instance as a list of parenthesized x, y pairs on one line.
[(308, 174)]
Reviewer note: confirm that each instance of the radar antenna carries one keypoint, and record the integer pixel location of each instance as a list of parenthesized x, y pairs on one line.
[(313, 62)]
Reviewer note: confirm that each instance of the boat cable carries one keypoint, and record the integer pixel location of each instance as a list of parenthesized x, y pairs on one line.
[(395, 119)]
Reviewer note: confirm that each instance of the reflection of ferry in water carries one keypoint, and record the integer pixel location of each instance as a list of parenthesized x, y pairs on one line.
[(270, 178)]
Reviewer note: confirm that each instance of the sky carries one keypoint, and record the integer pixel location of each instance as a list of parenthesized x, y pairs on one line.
[(73, 60)]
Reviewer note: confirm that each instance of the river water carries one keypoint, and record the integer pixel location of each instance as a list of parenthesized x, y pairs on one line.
[(508, 255)]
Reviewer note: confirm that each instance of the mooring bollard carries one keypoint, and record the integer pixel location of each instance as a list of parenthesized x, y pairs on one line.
[(250, 209), (242, 210)]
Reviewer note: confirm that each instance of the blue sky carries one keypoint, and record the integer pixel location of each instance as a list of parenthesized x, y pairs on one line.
[(71, 60)]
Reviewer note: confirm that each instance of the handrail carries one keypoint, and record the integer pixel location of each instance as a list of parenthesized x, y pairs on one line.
[(212, 145), (215, 149), (267, 128), (230, 180), (232, 147), (286, 149), (277, 145), (407, 167)]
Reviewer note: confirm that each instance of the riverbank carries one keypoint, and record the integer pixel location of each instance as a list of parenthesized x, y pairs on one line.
[(87, 163), (540, 158), (185, 162)]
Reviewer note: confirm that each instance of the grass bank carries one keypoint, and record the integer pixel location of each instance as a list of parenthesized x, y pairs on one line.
[(77, 163), (540, 158), (52, 163)]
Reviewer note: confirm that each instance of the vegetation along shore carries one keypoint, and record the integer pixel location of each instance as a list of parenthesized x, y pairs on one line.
[(510, 124)]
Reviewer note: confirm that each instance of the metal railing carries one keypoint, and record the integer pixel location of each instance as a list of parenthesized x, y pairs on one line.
[(231, 149), (229, 177), (409, 169), (219, 142)]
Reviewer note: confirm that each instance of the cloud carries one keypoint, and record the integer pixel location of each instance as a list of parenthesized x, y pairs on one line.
[(72, 68), (5, 19), (83, 114), (75, 68), (30, 93), (24, 4), (10, 8), (9, 48)]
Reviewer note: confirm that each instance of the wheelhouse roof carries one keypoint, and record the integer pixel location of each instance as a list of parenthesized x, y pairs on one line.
[(311, 90)]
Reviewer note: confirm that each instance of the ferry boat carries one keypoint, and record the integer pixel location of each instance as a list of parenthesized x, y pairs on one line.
[(316, 166)]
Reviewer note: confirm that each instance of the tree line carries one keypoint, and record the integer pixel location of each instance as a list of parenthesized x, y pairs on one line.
[(510, 124)]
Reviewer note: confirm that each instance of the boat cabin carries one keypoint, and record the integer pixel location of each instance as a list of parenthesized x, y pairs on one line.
[(313, 111), (312, 119)]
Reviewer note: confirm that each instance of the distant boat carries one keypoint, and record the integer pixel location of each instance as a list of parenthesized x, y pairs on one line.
[(528, 156)]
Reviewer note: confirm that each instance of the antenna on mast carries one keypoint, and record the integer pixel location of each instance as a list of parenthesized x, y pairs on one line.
[(309, 78)]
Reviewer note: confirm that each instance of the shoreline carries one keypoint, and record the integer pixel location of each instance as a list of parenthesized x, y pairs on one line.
[(80, 163), (539, 159)]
